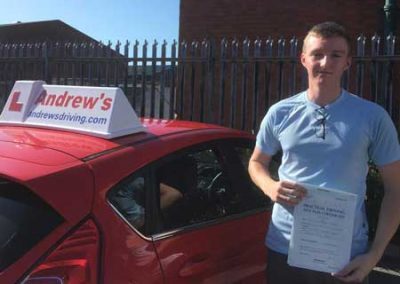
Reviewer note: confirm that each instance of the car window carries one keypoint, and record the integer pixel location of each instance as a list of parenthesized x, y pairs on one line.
[(245, 154), (211, 190), (189, 187), (128, 197), (25, 219), (199, 187), (237, 155), (176, 180)]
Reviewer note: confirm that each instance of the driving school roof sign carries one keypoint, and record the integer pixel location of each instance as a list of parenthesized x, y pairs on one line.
[(98, 111)]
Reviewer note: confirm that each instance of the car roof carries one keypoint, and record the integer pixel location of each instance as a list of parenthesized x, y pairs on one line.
[(80, 146), (47, 128)]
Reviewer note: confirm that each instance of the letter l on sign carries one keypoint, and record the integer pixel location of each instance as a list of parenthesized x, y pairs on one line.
[(15, 105)]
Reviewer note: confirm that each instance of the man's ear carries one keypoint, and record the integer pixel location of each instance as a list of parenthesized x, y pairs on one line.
[(348, 63), (303, 59)]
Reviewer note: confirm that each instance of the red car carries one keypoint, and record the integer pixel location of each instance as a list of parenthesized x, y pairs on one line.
[(168, 203)]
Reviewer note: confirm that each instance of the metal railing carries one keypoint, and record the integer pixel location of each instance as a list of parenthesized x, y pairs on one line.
[(231, 83)]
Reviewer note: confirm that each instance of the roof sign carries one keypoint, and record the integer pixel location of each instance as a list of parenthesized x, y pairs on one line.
[(97, 111)]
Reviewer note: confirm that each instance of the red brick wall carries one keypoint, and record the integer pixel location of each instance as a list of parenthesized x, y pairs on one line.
[(215, 19), (240, 18)]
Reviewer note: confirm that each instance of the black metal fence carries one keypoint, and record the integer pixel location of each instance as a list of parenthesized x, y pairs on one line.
[(230, 83)]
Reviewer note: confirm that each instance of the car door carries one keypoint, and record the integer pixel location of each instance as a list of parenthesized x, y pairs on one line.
[(220, 238), (128, 251)]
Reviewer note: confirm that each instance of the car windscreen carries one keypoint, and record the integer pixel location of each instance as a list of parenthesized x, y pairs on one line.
[(25, 219)]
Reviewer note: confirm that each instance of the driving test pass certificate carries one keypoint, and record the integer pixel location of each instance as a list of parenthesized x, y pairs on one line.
[(322, 230)]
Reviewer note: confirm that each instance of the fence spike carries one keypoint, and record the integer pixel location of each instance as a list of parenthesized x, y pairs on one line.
[(12, 51), (154, 49), (361, 40), (98, 49), (193, 48), (44, 48), (37, 49), (204, 47), (173, 49), (118, 47), (375, 44), (21, 49), (246, 47), (293, 46), (84, 49), (224, 47), (75, 49), (126, 48), (390, 44), (6, 50), (235, 47), (183, 48), (91, 47), (257, 47), (281, 47), (269, 43)]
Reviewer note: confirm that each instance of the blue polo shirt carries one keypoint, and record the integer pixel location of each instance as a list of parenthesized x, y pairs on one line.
[(327, 147)]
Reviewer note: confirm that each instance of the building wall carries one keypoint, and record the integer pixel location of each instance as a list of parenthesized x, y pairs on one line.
[(262, 18), (217, 19)]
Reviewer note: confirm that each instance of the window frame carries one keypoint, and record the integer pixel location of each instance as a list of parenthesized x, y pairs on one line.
[(222, 147)]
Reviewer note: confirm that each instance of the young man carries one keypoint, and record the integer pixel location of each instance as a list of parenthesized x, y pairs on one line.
[(327, 136)]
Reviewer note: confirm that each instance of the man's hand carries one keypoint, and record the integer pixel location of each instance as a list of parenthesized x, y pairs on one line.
[(357, 269), (286, 193)]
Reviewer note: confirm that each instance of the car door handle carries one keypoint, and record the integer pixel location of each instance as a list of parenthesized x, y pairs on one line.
[(194, 266)]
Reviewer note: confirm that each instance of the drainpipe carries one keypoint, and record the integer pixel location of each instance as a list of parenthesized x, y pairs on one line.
[(390, 10)]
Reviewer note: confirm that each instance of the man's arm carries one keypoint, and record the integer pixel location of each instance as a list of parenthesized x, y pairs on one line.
[(389, 219), (389, 215), (284, 192), (168, 195)]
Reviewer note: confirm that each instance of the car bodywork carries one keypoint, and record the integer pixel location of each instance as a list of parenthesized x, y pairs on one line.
[(73, 173)]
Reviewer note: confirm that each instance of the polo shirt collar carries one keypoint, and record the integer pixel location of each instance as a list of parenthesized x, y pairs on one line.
[(336, 102)]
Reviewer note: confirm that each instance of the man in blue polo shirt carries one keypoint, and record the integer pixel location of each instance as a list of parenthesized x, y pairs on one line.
[(327, 136)]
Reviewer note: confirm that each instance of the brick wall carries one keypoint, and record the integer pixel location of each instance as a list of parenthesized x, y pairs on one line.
[(215, 19), (200, 19)]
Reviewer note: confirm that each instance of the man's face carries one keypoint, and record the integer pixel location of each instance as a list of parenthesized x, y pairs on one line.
[(325, 59)]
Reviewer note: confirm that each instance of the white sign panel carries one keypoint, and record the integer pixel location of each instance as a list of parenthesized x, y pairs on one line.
[(98, 111), (322, 230)]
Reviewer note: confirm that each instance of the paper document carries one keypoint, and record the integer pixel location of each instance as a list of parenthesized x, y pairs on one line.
[(322, 230)]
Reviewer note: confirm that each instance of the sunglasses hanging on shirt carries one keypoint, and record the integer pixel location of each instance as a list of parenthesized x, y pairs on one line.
[(321, 115)]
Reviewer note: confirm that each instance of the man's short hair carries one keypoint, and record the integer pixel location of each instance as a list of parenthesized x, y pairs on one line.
[(328, 30)]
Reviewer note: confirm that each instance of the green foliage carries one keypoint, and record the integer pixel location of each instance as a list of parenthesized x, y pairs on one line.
[(374, 197)]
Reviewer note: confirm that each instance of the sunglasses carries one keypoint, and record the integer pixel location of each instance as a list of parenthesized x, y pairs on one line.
[(321, 115)]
